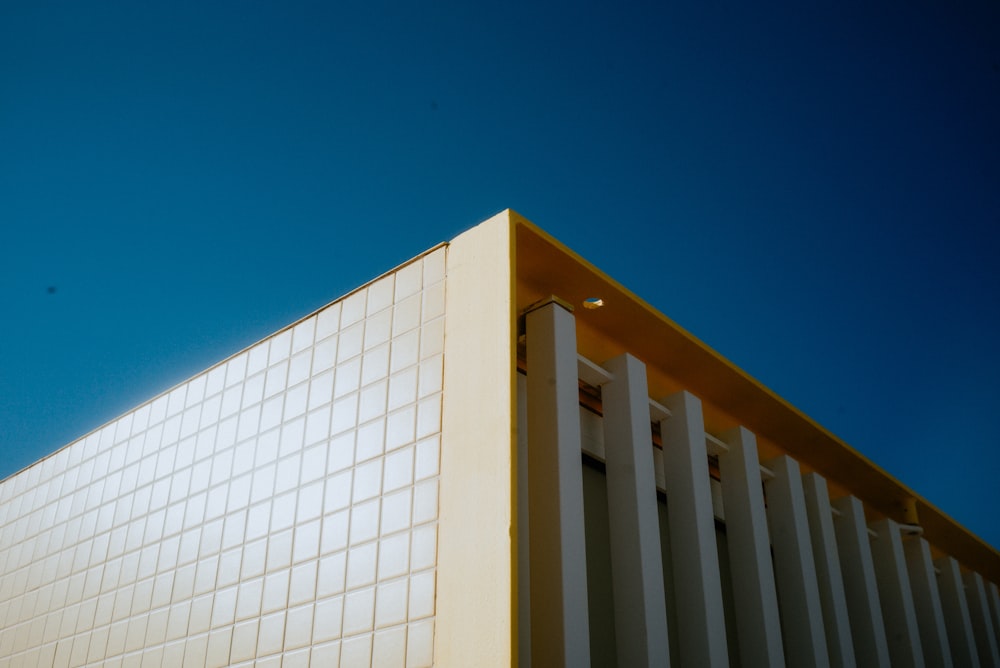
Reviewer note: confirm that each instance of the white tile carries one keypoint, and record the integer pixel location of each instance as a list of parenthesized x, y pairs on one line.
[(327, 321), (396, 511), (256, 361), (420, 644), (253, 390), (298, 627), (302, 584), (318, 425), (282, 512), (398, 469), (373, 401), (427, 457), (361, 562), (423, 547), (219, 642), (364, 521), (359, 612), (389, 648), (224, 607), (350, 342), (391, 603), (421, 594), (380, 294), (276, 379), (400, 427), (298, 659), (406, 314), (394, 556), (434, 266), (249, 598), (306, 541), (279, 550), (321, 389), (332, 574), (347, 377), (367, 480), (177, 620), (405, 351), (430, 376), (338, 491), (345, 414), (303, 334), (324, 354), (295, 401), (236, 370), (378, 329), (275, 591), (353, 308), (244, 645), (327, 655), (433, 306), (280, 347), (429, 416), (291, 436), (271, 634), (425, 501), (375, 364), (402, 388), (334, 532), (432, 338), (327, 620)]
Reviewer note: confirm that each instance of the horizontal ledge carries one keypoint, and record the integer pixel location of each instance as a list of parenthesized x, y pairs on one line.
[(591, 373), (658, 412), (714, 445)]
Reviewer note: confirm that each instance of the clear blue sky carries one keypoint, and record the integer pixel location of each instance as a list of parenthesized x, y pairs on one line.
[(815, 192)]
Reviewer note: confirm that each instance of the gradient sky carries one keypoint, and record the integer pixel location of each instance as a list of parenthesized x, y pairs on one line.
[(814, 192)]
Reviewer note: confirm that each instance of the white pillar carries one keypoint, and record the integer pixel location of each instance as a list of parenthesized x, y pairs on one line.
[(828, 574), (870, 645), (956, 614), (523, 545), (636, 565), (757, 624), (993, 595), (927, 601), (794, 567), (697, 585), (898, 613), (982, 625), (559, 621)]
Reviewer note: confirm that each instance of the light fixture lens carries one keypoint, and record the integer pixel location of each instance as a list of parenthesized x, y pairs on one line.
[(593, 303)]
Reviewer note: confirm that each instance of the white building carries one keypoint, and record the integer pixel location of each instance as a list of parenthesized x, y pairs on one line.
[(462, 464)]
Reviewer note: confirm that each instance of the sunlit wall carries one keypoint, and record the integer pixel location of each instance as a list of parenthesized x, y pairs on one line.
[(279, 509)]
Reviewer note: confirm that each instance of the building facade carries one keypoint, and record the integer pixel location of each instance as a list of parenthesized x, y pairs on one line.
[(465, 463)]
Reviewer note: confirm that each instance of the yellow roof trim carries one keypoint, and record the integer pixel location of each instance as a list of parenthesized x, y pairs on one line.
[(676, 359)]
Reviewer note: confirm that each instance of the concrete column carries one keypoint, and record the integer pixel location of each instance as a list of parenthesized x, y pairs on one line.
[(993, 596), (867, 629), (956, 614), (559, 621), (927, 601), (898, 613), (828, 574), (794, 567), (757, 623), (982, 625), (523, 551), (636, 565), (697, 584)]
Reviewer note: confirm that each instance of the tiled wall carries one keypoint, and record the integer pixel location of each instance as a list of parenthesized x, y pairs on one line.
[(279, 509)]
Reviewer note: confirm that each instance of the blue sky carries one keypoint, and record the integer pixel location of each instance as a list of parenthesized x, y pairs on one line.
[(814, 192)]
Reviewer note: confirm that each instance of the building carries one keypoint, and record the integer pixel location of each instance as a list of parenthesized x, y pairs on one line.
[(461, 463)]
